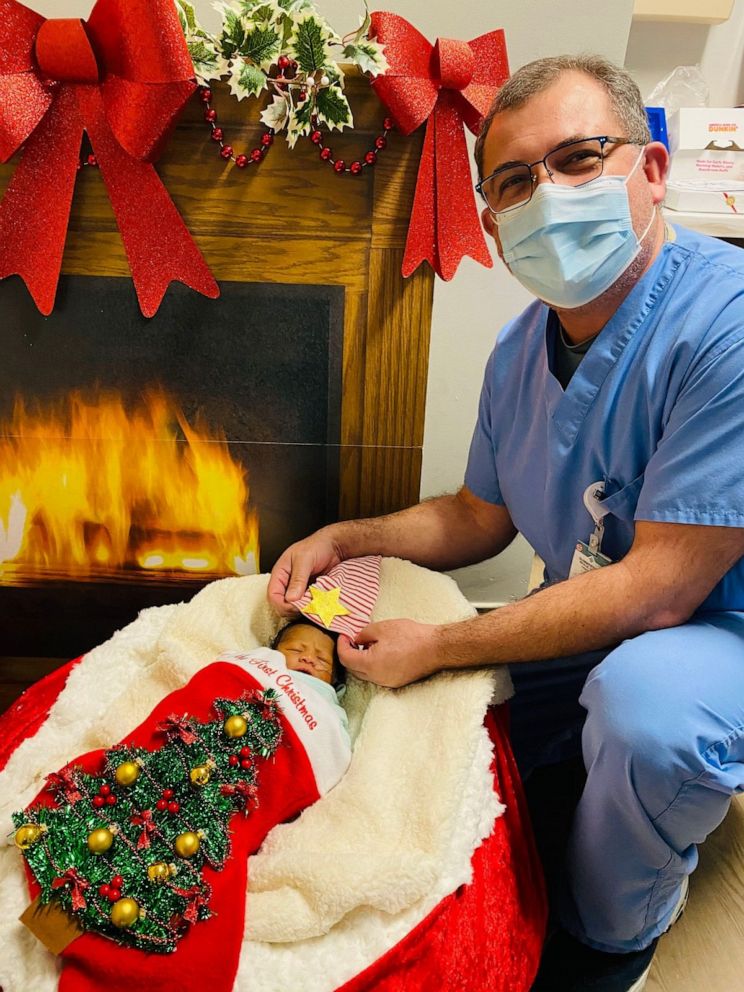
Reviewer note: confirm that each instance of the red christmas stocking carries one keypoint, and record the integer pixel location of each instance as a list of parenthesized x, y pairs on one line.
[(207, 957)]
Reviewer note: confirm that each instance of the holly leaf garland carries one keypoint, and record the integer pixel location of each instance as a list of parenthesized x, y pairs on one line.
[(309, 42), (255, 33), (276, 114), (247, 80), (207, 59), (368, 55), (233, 33), (293, 6), (259, 10), (208, 63), (186, 16), (333, 108), (299, 122), (262, 43), (363, 51)]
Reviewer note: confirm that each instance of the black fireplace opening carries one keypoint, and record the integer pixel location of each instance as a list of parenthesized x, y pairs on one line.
[(256, 373)]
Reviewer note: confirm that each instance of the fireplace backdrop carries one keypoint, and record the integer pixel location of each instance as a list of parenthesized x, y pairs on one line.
[(140, 458)]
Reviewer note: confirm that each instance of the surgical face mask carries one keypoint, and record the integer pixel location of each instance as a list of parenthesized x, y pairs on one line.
[(569, 244)]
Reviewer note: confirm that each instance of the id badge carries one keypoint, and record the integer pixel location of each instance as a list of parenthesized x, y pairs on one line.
[(585, 559)]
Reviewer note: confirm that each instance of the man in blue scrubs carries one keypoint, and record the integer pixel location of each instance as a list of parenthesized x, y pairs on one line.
[(611, 434)]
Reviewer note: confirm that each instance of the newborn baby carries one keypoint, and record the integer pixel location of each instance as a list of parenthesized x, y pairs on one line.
[(307, 648), (302, 665), (311, 654)]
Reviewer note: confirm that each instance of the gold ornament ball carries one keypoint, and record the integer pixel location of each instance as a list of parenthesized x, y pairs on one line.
[(158, 872), (27, 835), (199, 775), (127, 773), (235, 726), (100, 840), (125, 912), (186, 845)]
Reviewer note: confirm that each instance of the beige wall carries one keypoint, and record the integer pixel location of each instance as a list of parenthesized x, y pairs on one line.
[(654, 49)]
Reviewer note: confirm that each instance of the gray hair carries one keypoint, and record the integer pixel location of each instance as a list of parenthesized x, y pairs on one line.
[(533, 78)]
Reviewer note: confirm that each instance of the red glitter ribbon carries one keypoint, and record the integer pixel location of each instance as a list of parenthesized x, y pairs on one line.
[(77, 884), (65, 783), (123, 77), (447, 84), (178, 726), (145, 820)]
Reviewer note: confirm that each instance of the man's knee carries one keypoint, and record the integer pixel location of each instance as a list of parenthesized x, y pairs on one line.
[(631, 715)]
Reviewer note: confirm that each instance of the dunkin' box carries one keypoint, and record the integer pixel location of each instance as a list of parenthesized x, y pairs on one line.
[(707, 143), (705, 196)]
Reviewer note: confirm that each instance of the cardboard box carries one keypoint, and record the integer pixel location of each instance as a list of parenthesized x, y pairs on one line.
[(705, 197), (707, 143)]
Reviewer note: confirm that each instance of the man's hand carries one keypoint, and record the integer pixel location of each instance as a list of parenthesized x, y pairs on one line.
[(396, 652), (444, 532), (299, 563)]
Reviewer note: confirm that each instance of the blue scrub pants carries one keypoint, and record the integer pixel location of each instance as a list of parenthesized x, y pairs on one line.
[(660, 721)]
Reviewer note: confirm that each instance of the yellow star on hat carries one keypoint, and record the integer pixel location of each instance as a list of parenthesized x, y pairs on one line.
[(325, 604)]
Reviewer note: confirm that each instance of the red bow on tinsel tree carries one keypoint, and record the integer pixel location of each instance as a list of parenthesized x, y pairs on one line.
[(196, 901), (178, 726), (65, 783), (449, 84), (146, 820), (77, 884), (244, 792), (123, 77)]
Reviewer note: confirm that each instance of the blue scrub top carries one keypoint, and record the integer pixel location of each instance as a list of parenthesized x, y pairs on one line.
[(655, 411)]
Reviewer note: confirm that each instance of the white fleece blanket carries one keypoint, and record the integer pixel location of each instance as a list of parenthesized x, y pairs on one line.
[(334, 890)]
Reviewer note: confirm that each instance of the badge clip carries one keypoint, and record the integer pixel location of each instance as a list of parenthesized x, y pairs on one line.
[(589, 556), (593, 502)]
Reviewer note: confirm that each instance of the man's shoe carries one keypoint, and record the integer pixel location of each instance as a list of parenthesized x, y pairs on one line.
[(570, 966)]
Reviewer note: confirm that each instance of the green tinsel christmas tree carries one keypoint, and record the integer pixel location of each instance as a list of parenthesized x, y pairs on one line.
[(124, 851)]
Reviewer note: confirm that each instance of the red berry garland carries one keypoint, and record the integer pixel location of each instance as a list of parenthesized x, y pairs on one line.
[(257, 154), (227, 152), (356, 167)]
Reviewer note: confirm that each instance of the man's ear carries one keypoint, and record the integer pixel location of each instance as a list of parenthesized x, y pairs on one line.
[(491, 228), (655, 167), (488, 222)]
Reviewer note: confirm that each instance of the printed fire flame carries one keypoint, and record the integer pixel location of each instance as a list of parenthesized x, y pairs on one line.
[(91, 488)]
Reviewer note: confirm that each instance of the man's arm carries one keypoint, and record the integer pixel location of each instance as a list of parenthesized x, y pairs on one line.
[(668, 572), (441, 533)]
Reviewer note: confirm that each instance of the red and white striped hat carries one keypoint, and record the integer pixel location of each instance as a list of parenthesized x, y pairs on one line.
[(342, 600)]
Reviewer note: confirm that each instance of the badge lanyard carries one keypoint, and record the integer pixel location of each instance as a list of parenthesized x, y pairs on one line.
[(588, 556), (593, 502)]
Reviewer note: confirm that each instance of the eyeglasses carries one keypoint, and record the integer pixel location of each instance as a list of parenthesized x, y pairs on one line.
[(572, 163)]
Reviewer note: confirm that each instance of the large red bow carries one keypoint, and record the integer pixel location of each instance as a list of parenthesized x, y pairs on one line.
[(123, 76), (450, 83)]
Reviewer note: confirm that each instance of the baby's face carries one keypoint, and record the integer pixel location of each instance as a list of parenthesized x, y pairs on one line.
[(308, 649)]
